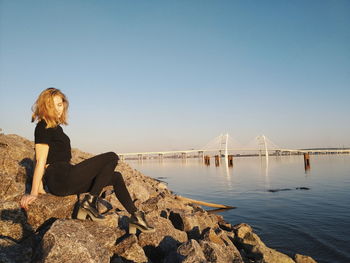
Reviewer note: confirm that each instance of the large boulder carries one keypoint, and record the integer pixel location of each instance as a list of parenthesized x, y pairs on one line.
[(187, 252), (129, 249), (49, 206), (192, 222), (255, 249), (166, 239), (13, 252), (16, 166), (13, 222), (78, 241)]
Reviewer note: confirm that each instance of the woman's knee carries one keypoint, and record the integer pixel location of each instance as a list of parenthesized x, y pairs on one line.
[(112, 156)]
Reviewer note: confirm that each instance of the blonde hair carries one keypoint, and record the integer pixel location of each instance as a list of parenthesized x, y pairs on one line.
[(44, 108)]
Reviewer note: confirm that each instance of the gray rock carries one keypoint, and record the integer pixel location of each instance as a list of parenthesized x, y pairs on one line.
[(255, 248), (49, 206), (191, 251), (13, 223), (13, 252), (11, 189), (16, 166), (129, 249), (217, 240), (218, 254), (78, 241), (163, 241), (192, 222)]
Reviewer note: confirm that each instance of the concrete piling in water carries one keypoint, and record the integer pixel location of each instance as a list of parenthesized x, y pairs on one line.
[(217, 160), (230, 160), (307, 161), (207, 160)]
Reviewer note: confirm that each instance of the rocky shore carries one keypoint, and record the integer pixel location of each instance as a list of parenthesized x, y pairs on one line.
[(47, 233)]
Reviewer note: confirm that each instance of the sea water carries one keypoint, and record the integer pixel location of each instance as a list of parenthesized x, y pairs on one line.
[(292, 210)]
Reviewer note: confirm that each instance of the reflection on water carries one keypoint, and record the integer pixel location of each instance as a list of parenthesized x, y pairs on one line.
[(313, 222)]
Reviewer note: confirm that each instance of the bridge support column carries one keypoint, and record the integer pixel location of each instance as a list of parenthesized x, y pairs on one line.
[(207, 160), (307, 161), (217, 160), (183, 155), (230, 160), (161, 156), (140, 157)]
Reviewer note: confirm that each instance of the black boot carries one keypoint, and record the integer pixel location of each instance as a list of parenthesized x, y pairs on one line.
[(88, 207), (138, 221)]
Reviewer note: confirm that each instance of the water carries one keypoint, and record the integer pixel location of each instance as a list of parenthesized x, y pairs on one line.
[(313, 222)]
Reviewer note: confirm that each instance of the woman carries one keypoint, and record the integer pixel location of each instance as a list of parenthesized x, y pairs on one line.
[(53, 154)]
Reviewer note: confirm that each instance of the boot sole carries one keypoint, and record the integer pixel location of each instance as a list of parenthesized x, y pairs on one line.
[(83, 213), (134, 227)]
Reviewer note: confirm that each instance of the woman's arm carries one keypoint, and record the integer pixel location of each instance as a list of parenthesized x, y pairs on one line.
[(41, 152)]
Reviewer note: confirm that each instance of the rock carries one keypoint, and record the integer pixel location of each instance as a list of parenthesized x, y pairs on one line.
[(12, 252), (129, 249), (148, 186), (189, 252), (209, 235), (192, 222), (111, 220), (78, 241), (49, 206), (15, 151), (218, 254), (220, 238), (138, 191), (163, 241), (165, 201), (79, 156), (303, 259), (16, 166), (227, 236), (225, 226), (11, 189), (255, 248), (13, 223)]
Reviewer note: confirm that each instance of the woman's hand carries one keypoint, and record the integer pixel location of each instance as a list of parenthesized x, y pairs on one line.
[(26, 200)]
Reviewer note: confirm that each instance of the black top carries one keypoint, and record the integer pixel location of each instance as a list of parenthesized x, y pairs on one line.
[(58, 141)]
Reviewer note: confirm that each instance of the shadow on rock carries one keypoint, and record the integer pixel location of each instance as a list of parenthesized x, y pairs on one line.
[(21, 229), (158, 254), (28, 164), (18, 241), (15, 238), (38, 251)]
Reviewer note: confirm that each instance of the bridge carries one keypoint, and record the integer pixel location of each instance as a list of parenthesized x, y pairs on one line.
[(224, 145)]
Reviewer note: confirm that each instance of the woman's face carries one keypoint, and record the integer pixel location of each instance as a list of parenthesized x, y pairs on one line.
[(59, 106)]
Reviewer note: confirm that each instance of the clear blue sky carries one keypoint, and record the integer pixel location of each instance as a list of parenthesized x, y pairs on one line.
[(167, 75)]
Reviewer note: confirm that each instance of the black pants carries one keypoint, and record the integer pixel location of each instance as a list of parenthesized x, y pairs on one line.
[(91, 175)]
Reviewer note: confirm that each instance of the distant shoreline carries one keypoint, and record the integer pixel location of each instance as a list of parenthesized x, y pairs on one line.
[(178, 156)]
